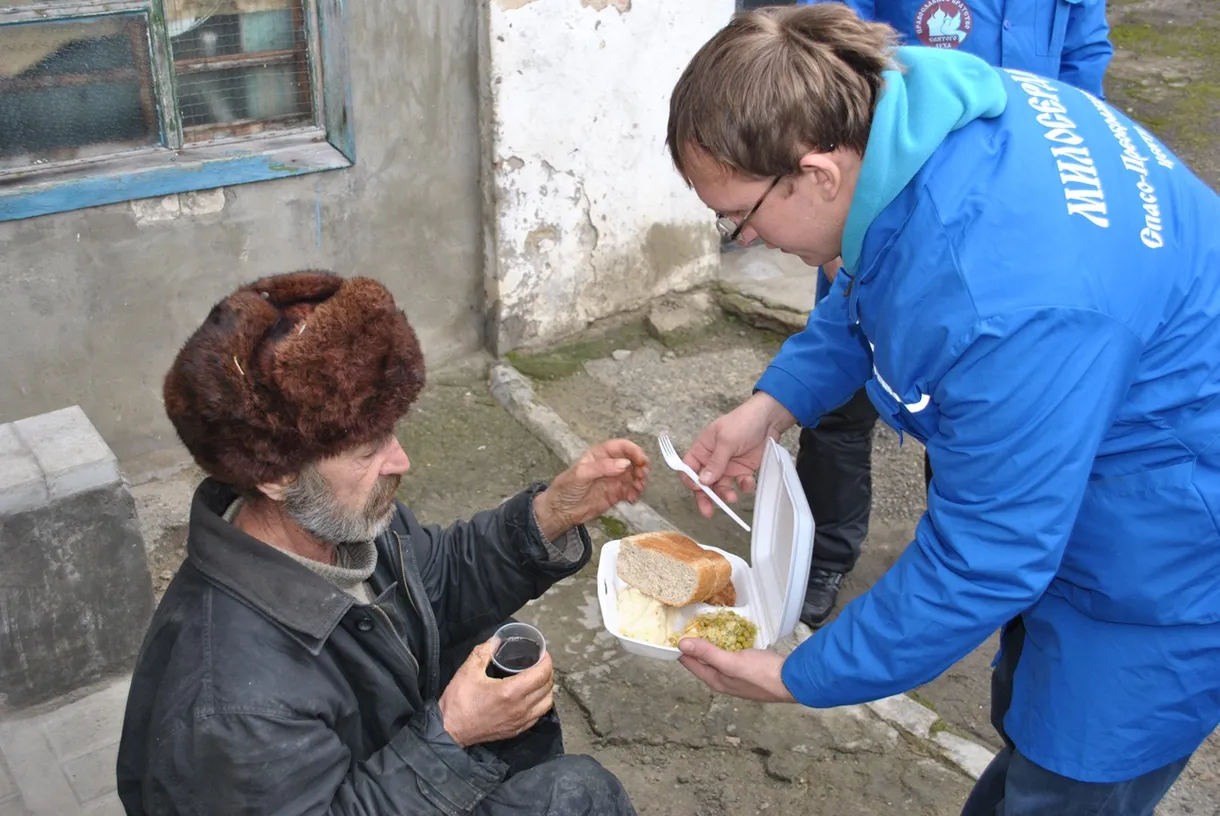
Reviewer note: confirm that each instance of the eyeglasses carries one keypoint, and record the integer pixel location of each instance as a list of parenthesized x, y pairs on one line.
[(731, 229)]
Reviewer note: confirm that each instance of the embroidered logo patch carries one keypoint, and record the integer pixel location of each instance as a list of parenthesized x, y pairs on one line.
[(943, 23)]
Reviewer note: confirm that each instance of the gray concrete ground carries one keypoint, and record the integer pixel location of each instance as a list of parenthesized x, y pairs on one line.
[(58, 760), (681, 389)]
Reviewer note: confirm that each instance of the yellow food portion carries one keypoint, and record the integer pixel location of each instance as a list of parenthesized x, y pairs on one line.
[(642, 618), (725, 629)]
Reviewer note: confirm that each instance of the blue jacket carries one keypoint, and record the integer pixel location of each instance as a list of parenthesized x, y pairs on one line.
[(1032, 288), (1062, 39)]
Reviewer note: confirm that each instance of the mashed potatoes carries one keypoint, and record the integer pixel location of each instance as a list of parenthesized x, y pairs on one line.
[(643, 618)]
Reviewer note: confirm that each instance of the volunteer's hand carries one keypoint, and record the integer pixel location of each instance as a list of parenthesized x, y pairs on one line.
[(753, 674), (730, 449), (477, 708), (605, 475)]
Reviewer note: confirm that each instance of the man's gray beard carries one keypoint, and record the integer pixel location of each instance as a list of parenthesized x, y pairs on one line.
[(310, 502)]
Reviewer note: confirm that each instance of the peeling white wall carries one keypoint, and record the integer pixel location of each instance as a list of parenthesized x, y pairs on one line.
[(584, 214)]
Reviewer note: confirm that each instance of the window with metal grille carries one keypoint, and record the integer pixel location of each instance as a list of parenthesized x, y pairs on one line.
[(143, 88)]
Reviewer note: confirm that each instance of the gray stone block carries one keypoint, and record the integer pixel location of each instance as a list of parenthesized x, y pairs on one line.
[(21, 482), (13, 806), (76, 596), (92, 776), (108, 805), (88, 724), (8, 788), (39, 776), (69, 450)]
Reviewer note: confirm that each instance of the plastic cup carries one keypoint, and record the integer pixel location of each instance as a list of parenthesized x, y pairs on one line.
[(520, 647)]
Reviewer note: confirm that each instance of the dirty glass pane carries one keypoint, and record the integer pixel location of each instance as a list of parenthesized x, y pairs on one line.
[(75, 89), (241, 66)]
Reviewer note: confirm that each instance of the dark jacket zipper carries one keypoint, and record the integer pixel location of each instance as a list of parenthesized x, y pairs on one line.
[(432, 634), (402, 644)]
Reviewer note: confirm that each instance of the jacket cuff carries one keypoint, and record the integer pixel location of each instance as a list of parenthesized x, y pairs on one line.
[(793, 394), (463, 777), (801, 675), (559, 559)]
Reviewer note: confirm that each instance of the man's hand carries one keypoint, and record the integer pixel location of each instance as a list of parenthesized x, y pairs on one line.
[(607, 474), (731, 448), (753, 674), (477, 708)]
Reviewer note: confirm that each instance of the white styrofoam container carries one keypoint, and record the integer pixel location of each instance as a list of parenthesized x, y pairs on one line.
[(770, 589)]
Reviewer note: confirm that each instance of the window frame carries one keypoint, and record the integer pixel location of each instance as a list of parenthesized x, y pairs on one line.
[(173, 167)]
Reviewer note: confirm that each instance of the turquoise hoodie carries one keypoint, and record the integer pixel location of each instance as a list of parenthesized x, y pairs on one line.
[(939, 92)]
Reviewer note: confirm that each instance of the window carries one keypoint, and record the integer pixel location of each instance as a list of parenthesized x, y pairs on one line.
[(111, 100)]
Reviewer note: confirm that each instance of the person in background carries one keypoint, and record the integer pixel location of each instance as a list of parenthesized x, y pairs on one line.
[(1063, 39)]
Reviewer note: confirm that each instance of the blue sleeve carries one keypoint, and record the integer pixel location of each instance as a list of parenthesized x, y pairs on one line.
[(1086, 47), (820, 367), (1023, 411), (865, 9)]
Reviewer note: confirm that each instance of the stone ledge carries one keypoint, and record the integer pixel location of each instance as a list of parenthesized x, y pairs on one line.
[(767, 289), (70, 452), (77, 596), (22, 485)]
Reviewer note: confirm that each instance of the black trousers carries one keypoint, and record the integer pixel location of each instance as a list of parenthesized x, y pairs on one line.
[(835, 465)]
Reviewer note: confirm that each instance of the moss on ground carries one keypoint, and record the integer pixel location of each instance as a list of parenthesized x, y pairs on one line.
[(566, 359), (614, 528), (1181, 108)]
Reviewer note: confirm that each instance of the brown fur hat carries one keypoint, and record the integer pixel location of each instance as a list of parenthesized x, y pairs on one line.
[(290, 369)]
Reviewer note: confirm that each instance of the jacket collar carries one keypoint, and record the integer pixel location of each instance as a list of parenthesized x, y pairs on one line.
[(259, 575), (937, 92)]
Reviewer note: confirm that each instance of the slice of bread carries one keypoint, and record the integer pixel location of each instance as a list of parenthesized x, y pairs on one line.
[(672, 568), (725, 597)]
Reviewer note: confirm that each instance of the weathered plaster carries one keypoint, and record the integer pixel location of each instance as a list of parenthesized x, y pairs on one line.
[(584, 213), (598, 5)]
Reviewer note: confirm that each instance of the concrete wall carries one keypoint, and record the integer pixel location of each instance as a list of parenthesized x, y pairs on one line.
[(585, 213), (76, 595), (95, 303)]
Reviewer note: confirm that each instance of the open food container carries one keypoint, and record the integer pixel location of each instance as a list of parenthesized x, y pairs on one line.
[(770, 589)]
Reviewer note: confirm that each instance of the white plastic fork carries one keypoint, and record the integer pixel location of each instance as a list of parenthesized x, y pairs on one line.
[(670, 454)]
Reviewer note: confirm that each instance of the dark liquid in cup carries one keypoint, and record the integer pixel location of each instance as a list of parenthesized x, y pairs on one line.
[(515, 654)]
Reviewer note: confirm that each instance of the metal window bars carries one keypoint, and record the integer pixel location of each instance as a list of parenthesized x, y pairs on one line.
[(81, 79)]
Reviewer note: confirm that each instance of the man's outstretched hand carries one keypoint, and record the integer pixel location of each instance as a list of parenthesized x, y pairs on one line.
[(728, 453), (614, 471)]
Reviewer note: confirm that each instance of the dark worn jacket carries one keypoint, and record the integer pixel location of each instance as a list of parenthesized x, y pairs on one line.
[(262, 688)]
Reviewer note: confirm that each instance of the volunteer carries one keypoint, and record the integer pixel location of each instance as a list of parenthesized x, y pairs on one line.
[(1067, 39), (1031, 286)]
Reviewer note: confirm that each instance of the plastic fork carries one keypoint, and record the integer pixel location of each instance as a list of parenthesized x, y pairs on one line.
[(670, 454)]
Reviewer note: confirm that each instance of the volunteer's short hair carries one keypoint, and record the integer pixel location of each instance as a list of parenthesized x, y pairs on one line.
[(776, 83)]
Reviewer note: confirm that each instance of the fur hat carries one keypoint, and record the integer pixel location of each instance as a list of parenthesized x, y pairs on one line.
[(290, 369)]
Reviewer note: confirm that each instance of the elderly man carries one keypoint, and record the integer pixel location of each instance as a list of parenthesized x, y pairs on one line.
[(320, 651)]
